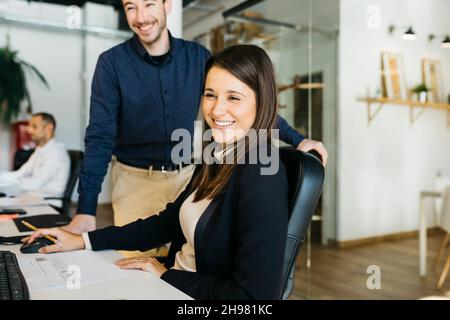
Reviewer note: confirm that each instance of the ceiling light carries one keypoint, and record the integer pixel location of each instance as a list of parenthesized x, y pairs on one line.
[(446, 42), (409, 34)]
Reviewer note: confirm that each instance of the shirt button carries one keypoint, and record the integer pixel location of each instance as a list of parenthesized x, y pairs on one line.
[(167, 116), (165, 91)]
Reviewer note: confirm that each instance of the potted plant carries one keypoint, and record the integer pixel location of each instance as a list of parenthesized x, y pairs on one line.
[(13, 86), (420, 92)]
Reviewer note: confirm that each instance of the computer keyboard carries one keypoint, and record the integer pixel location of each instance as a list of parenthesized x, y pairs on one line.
[(12, 282)]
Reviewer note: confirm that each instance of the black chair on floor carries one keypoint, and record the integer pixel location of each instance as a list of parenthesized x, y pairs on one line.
[(305, 178), (76, 160)]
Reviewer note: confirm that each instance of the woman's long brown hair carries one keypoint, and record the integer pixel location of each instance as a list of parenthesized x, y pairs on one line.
[(251, 65)]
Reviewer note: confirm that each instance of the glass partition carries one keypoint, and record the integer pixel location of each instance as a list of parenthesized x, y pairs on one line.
[(301, 38)]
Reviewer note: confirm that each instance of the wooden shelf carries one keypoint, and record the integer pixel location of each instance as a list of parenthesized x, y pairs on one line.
[(413, 116)]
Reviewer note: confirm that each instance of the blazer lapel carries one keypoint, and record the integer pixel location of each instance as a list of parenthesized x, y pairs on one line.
[(201, 226)]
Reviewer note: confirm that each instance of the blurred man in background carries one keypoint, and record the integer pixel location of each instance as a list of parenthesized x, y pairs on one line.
[(47, 170)]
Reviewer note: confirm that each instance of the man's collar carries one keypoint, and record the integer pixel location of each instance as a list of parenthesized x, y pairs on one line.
[(49, 142), (143, 54)]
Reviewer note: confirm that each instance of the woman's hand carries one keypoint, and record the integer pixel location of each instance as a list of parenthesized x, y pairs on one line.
[(66, 241), (145, 264)]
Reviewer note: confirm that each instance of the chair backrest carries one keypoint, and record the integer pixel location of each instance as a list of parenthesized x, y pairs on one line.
[(305, 176), (76, 160), (20, 157), (445, 213)]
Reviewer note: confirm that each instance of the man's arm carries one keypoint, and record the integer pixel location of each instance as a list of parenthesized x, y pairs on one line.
[(294, 138), (14, 177), (287, 133), (99, 142), (26, 169)]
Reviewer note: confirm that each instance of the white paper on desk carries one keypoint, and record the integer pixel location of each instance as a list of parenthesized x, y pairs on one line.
[(24, 200), (42, 271), (39, 210)]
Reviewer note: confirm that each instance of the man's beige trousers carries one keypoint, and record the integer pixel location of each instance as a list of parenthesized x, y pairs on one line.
[(139, 193)]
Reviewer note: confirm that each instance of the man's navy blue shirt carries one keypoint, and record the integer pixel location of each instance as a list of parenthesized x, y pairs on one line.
[(137, 101)]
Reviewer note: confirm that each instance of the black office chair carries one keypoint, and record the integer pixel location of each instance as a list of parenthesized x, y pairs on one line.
[(20, 157), (76, 160), (305, 178)]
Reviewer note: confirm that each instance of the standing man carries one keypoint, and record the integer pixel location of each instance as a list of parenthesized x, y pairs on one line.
[(142, 90)]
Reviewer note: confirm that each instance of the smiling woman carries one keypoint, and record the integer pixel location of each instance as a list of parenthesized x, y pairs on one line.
[(229, 106), (240, 94), (219, 225)]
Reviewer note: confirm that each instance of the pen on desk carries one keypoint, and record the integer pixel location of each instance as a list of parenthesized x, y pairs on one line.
[(30, 226)]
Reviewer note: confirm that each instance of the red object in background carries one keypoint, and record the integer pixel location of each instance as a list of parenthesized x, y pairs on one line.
[(20, 139)]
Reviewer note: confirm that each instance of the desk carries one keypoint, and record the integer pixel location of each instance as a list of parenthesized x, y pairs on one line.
[(423, 230), (137, 285), (8, 228)]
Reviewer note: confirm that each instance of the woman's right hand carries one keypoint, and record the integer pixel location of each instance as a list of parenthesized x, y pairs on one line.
[(66, 241)]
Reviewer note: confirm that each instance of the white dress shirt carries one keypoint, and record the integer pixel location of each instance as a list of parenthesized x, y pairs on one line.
[(46, 171)]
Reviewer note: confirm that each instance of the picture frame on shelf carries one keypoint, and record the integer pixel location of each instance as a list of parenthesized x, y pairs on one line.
[(432, 77), (393, 81)]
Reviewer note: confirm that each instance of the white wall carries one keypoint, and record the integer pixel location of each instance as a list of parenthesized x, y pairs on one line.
[(175, 19), (383, 167)]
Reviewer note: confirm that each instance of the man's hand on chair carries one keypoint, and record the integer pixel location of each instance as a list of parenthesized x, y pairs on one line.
[(308, 145), (81, 223)]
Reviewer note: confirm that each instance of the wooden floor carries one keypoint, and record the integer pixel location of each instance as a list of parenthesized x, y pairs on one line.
[(341, 273)]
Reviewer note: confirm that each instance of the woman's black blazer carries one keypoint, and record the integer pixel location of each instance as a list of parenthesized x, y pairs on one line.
[(239, 240)]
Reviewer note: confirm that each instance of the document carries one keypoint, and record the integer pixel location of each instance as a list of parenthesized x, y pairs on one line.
[(67, 269)]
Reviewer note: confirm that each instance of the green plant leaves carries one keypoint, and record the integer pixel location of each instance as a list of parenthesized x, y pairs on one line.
[(13, 86)]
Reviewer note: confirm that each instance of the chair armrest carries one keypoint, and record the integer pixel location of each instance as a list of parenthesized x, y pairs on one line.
[(57, 198)]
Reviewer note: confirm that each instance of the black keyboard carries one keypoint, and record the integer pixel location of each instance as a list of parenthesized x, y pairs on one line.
[(12, 282)]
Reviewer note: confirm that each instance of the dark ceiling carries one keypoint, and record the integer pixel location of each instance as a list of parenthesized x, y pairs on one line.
[(114, 3), (80, 3)]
